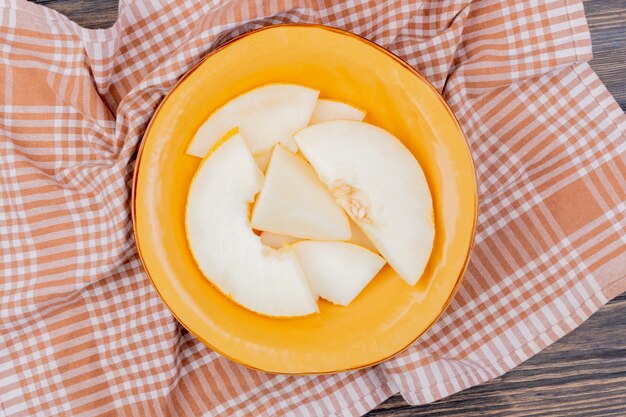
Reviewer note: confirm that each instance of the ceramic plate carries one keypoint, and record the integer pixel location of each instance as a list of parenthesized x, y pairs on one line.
[(388, 315)]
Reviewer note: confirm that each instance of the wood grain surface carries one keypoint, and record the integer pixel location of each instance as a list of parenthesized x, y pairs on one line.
[(584, 373)]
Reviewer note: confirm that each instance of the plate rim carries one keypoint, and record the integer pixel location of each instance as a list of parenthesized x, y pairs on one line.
[(404, 64)]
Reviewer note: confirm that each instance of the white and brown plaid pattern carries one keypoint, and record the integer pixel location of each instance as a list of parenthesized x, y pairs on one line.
[(82, 331)]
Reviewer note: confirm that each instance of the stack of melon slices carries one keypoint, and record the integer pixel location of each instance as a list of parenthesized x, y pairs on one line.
[(336, 199)]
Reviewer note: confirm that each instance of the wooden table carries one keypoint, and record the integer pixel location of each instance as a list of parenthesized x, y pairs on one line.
[(583, 374)]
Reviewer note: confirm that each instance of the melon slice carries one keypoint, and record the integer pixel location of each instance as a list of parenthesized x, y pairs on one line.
[(277, 241), (327, 109), (295, 203), (265, 115), (380, 184), (337, 271), (227, 251)]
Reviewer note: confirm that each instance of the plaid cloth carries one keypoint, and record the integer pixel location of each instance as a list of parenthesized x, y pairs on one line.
[(82, 331)]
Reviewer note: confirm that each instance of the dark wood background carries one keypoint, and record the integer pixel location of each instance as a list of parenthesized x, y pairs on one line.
[(583, 374)]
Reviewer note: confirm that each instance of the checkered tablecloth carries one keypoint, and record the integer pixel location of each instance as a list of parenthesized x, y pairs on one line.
[(83, 333)]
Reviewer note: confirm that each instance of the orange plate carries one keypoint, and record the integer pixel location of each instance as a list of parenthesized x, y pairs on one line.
[(388, 315)]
